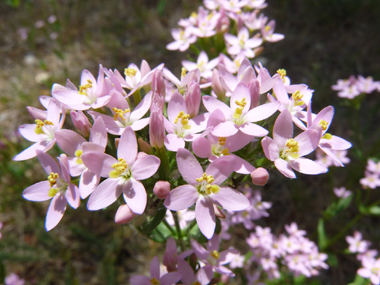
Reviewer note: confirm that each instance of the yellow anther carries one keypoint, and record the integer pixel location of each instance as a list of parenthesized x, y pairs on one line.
[(154, 281), (323, 124), (282, 73), (83, 88), (222, 141), (297, 96), (196, 283), (293, 148), (181, 34), (183, 72), (78, 152), (52, 178), (267, 28), (48, 123), (194, 15), (215, 254), (130, 72), (52, 192), (241, 103), (327, 136), (184, 120), (38, 130), (119, 113), (237, 62), (238, 112), (203, 177), (210, 179), (119, 167), (225, 151)]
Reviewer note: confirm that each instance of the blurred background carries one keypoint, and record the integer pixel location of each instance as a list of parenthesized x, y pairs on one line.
[(45, 41)]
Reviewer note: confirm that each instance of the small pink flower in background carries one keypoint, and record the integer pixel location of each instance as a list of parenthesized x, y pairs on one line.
[(39, 24), (370, 180), (342, 192), (374, 167), (357, 244), (171, 256), (52, 19), (1, 226), (58, 187), (13, 279), (213, 257), (182, 39), (155, 276), (185, 217), (23, 32), (203, 64), (267, 32), (371, 270), (242, 44), (366, 85)]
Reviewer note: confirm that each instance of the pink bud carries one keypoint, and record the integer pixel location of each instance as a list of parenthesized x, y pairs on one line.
[(158, 84), (144, 146), (260, 176), (81, 122), (217, 85), (254, 90), (193, 99), (124, 215), (37, 113), (156, 126), (218, 212), (161, 189)]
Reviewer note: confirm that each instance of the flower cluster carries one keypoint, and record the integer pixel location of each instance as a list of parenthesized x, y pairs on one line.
[(372, 175), (296, 252), (236, 27), (370, 266), (352, 87)]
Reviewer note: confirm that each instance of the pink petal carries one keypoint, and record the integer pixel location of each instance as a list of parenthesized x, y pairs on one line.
[(101, 101), (140, 280), (72, 195), (238, 141), (205, 274), (173, 142), (155, 268), (48, 163), (87, 183), (98, 133), (140, 124), (270, 148), (176, 104), (181, 198), (135, 195), (230, 199), (142, 107), (69, 141), (308, 140), (225, 129), (205, 216), (105, 194), (188, 276), (145, 167), (87, 75), (242, 166), (221, 168), (213, 243), (98, 162), (215, 118), (284, 168), (127, 148), (213, 104), (262, 112), (241, 92), (253, 130), (31, 151), (199, 250), (307, 166), (170, 278), (188, 166), (111, 125), (202, 147), (336, 143), (28, 132), (37, 192), (55, 212), (227, 256), (283, 128)]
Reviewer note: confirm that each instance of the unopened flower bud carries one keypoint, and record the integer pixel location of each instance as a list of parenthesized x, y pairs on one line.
[(158, 84), (217, 85), (124, 215), (218, 212), (161, 189), (81, 122), (37, 113), (260, 176), (144, 146), (156, 126), (193, 99)]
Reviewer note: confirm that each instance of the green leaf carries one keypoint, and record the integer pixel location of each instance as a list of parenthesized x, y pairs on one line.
[(374, 210), (359, 281), (344, 203), (160, 234), (322, 238), (2, 272), (152, 217), (332, 260)]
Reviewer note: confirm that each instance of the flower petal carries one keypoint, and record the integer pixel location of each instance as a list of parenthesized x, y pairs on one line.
[(127, 148), (135, 195), (307, 166), (37, 192), (284, 168), (188, 166), (56, 210), (205, 216), (230, 199), (221, 168), (105, 194), (145, 167), (181, 198)]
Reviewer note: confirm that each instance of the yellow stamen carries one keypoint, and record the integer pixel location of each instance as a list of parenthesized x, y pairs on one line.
[(267, 28), (293, 148), (154, 281), (297, 96), (225, 151), (183, 72), (194, 15), (78, 153), (52, 178), (184, 120), (239, 110), (327, 136), (119, 167), (119, 113), (282, 73), (323, 124), (130, 72), (222, 141), (38, 130), (215, 254), (84, 88)]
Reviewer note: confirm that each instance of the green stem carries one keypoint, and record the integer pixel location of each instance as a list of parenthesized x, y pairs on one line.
[(137, 97), (164, 166), (178, 228), (168, 226)]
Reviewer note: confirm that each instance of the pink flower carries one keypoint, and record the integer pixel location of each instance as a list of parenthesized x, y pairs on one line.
[(13, 279), (357, 245), (182, 39), (213, 257), (204, 190), (42, 133), (122, 175), (202, 277), (242, 44), (287, 153), (370, 180), (267, 32), (371, 270), (155, 276), (58, 187), (203, 64), (342, 192)]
